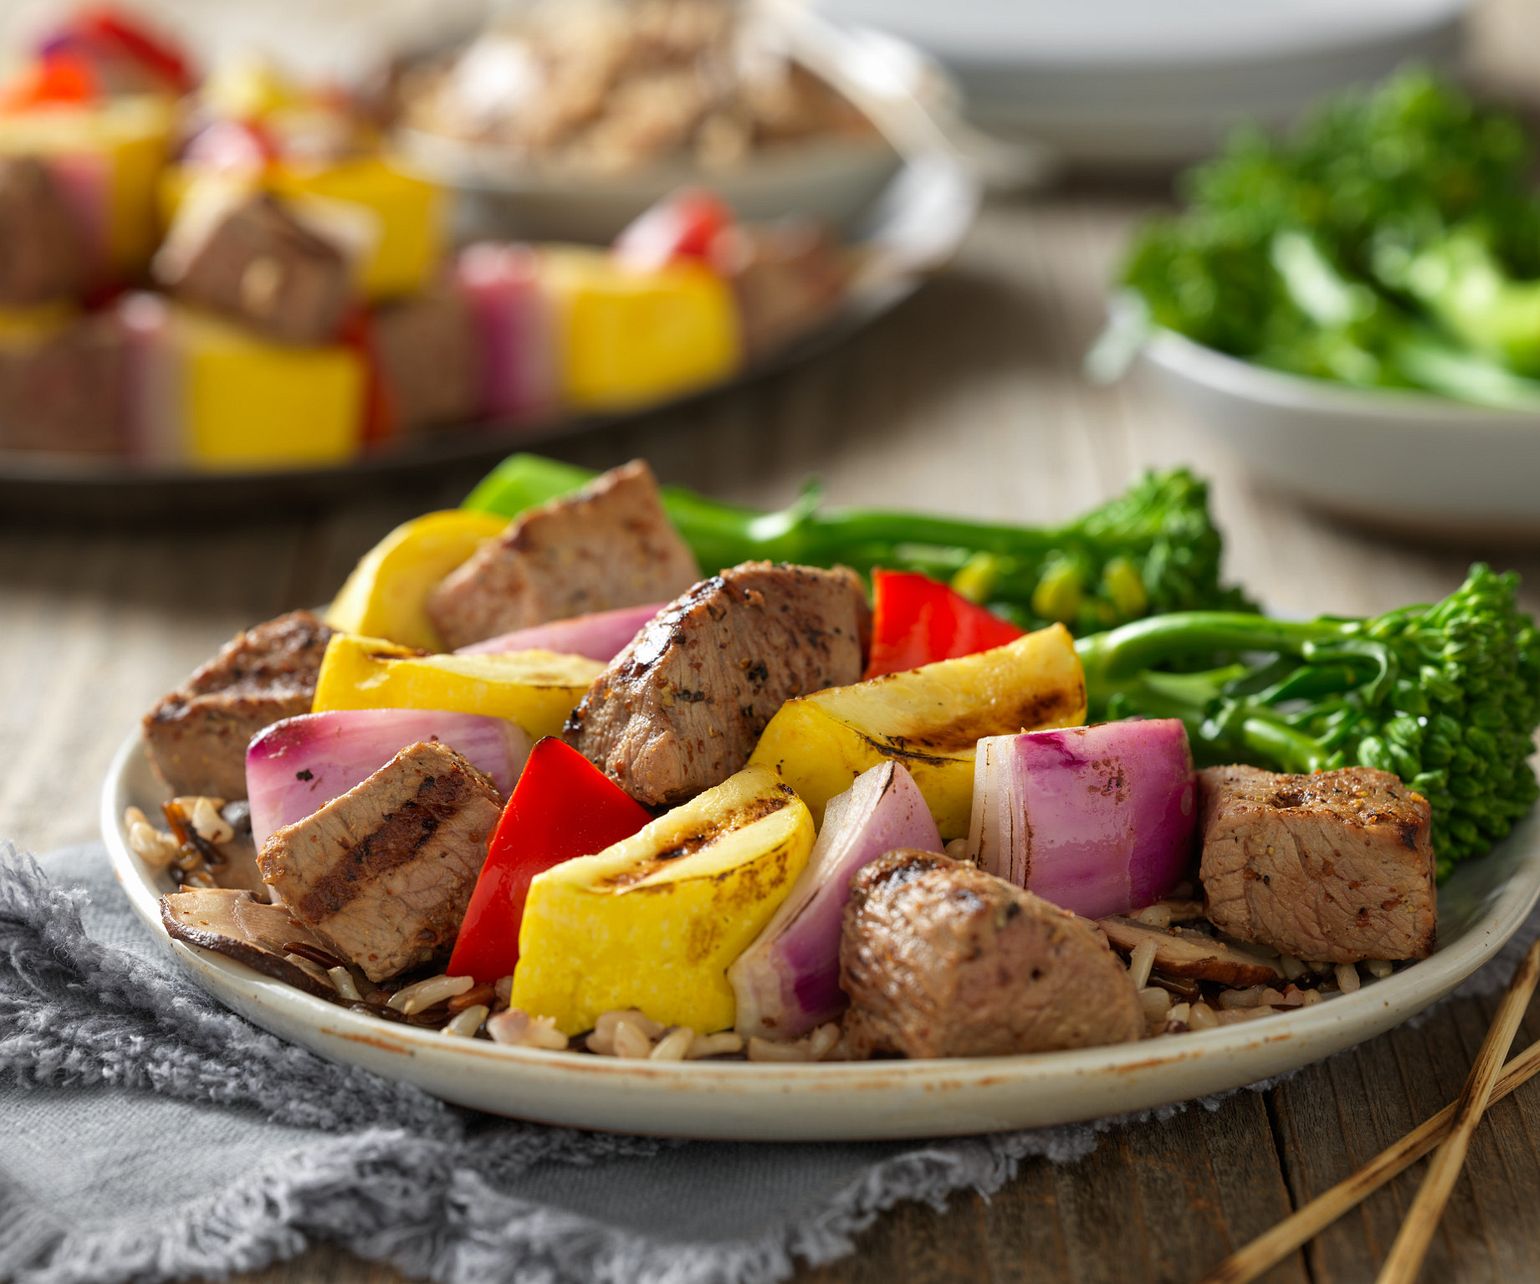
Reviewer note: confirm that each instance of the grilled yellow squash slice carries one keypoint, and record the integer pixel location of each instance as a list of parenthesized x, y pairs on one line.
[(654, 921), (930, 719)]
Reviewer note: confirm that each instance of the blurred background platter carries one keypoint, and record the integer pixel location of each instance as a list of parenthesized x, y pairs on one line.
[(1124, 83), (913, 227)]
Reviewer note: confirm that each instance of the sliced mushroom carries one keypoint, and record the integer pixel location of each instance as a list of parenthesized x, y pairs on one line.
[(262, 936), (1181, 952)]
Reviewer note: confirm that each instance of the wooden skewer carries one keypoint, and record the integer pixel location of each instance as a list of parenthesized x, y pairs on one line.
[(1405, 1260), (1271, 1247)]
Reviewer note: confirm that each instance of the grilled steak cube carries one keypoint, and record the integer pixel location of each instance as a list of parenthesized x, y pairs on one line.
[(1336, 867), (44, 257), (64, 390), (197, 735), (256, 261), (681, 708), (426, 356), (383, 874), (941, 959), (609, 545), (789, 278)]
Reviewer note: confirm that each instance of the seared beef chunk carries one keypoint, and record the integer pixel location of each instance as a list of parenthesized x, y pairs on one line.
[(256, 261), (788, 277), (941, 959), (383, 874), (425, 349), (1336, 867), (64, 391), (681, 708), (609, 545), (1181, 951), (249, 930), (197, 735), (42, 255)]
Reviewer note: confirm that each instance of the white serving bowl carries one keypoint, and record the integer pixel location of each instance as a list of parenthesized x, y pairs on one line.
[(1411, 462)]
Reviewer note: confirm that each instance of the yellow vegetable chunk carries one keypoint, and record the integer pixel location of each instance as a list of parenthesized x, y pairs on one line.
[(536, 689), (246, 402), (112, 155), (386, 594), (655, 921), (408, 214), (930, 719), (628, 338)]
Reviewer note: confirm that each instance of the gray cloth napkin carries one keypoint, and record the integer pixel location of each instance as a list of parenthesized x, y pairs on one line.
[(146, 1133)]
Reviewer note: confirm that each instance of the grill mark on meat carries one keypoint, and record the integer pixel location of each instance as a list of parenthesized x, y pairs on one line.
[(396, 842)]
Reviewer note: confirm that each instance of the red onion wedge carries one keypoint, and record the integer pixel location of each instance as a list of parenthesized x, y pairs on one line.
[(788, 981), (1098, 820), (601, 636), (297, 766)]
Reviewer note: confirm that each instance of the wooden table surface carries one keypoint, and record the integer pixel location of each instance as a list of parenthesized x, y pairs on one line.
[(968, 399)]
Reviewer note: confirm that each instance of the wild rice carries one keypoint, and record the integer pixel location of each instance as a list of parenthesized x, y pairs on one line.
[(1379, 969), (465, 1024), (343, 980), (675, 1045), (154, 847), (722, 1044), (1201, 1017), (1347, 978), (519, 1029), (206, 820), (1140, 961), (477, 995), (413, 999)]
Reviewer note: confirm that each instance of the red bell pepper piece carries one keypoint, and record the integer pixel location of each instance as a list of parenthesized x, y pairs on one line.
[(55, 80), (111, 29), (682, 226), (562, 807), (917, 620)]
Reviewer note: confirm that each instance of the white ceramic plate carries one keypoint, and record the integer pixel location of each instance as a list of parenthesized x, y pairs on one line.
[(1479, 909), (1407, 461), (1127, 82)]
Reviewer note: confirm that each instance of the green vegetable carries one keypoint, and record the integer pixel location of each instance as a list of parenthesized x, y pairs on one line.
[(1445, 696), (1154, 548), (1393, 240)]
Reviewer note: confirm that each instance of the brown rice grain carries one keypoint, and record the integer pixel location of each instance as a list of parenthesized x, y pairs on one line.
[(1292, 968), (1347, 977), (631, 1042), (675, 1045), (466, 1022), (1140, 962), (1179, 1013), (342, 979), (1379, 969), (1156, 1003), (1250, 997), (413, 999), (1201, 1017), (1157, 915), (775, 1050), (724, 1043), (518, 1029), (605, 1025)]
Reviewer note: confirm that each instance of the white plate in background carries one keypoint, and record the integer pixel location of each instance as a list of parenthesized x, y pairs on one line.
[(1136, 83), (1405, 461), (1480, 907)]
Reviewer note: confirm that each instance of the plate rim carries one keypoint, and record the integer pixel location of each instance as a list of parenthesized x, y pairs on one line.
[(1401, 996)]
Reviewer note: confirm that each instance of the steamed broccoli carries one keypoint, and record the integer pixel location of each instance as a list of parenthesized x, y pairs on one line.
[(1445, 696), (1393, 240), (1153, 548)]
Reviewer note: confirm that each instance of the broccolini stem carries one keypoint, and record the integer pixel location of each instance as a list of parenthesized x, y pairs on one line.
[(1142, 644)]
